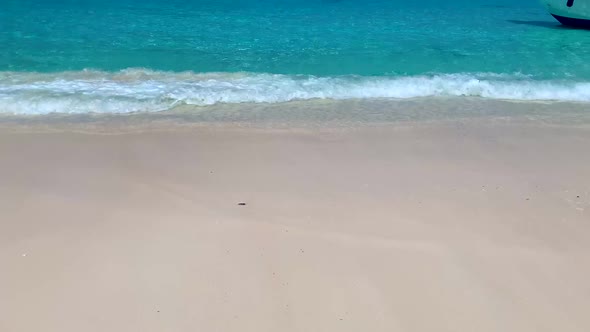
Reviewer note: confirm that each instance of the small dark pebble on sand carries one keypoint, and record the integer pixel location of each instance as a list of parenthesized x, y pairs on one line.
[(242, 204)]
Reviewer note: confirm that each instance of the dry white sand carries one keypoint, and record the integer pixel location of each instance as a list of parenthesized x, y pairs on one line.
[(432, 227)]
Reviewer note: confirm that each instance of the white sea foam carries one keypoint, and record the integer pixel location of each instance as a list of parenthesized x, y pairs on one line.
[(138, 90)]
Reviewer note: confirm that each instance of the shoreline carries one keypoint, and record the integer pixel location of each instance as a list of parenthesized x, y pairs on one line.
[(315, 114)]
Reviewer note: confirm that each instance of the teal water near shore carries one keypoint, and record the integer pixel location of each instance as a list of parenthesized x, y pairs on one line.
[(152, 55)]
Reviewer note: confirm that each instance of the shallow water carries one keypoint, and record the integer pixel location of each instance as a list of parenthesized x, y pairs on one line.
[(351, 113), (132, 56)]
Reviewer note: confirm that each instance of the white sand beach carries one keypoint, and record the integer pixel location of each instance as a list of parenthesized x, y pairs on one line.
[(418, 227)]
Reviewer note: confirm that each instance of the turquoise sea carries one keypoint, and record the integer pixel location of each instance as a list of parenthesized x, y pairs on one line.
[(79, 56)]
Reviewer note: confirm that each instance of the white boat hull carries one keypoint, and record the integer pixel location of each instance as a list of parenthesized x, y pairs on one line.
[(574, 13)]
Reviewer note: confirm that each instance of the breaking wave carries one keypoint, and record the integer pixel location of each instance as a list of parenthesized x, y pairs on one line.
[(140, 90)]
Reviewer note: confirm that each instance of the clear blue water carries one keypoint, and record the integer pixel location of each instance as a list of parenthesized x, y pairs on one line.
[(150, 55)]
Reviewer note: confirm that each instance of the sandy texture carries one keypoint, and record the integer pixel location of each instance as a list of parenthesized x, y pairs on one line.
[(462, 228)]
